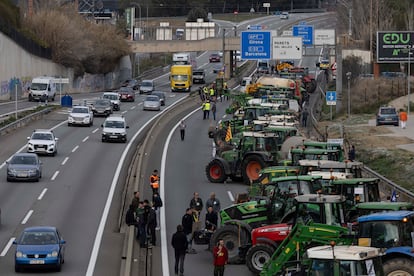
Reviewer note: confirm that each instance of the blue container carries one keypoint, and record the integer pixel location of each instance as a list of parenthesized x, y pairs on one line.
[(66, 101)]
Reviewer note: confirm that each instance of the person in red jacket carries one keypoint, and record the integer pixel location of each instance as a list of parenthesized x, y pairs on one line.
[(221, 256)]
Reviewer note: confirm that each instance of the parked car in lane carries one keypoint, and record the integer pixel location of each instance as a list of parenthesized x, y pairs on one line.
[(152, 102), (127, 94), (114, 129), (215, 57), (42, 141), (24, 166), (146, 87), (199, 76), (102, 107), (114, 98), (387, 115), (39, 246), (80, 115), (160, 95)]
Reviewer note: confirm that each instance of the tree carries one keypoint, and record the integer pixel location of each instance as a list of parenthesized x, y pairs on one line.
[(196, 13)]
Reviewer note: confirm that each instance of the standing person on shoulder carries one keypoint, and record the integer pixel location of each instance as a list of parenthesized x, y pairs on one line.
[(130, 216), (141, 231), (196, 203), (403, 118), (151, 224), (187, 223), (157, 204), (220, 255), (180, 244), (182, 129), (155, 181), (135, 200), (351, 154), (213, 202), (211, 219), (213, 110)]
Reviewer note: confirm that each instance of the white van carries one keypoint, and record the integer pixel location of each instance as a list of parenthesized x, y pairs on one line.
[(244, 83), (42, 88)]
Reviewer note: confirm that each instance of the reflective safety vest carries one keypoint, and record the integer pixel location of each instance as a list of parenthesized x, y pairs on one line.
[(155, 185), (211, 92), (207, 106), (154, 178), (205, 90)]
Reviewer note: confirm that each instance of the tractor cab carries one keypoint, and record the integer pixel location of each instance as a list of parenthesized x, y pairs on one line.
[(355, 168), (314, 154)]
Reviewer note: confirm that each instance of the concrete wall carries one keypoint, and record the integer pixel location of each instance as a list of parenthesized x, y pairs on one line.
[(17, 68)]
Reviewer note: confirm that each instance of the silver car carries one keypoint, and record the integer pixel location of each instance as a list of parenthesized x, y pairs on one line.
[(161, 95), (152, 102), (24, 166)]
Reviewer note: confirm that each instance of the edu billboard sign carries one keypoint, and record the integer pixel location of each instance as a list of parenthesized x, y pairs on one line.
[(393, 47)]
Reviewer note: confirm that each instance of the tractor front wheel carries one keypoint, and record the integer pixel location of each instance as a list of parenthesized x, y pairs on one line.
[(251, 168), (257, 256), (233, 238), (398, 267), (215, 172)]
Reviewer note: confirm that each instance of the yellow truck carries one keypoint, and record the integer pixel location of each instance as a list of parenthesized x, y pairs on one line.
[(181, 78)]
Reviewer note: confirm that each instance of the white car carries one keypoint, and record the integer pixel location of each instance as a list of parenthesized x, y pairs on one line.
[(80, 115), (42, 141), (152, 102), (284, 15), (114, 98), (114, 129)]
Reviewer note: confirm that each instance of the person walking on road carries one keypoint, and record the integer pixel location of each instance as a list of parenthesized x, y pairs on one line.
[(206, 109), (213, 110), (403, 118), (157, 204), (221, 256), (180, 244), (304, 117), (155, 181), (182, 129), (187, 223), (213, 202)]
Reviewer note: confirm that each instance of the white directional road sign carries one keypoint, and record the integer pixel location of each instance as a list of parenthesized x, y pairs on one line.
[(287, 47), (324, 37), (330, 97)]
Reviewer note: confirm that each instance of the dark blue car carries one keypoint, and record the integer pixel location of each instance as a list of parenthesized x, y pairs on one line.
[(40, 247)]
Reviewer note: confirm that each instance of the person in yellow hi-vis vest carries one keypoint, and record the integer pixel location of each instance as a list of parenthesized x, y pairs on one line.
[(206, 109), (206, 92)]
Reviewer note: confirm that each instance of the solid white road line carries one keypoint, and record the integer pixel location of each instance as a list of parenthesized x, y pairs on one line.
[(26, 218), (75, 148), (42, 194), (230, 194), (85, 139)]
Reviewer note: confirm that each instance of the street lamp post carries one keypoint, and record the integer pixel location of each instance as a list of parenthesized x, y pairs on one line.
[(348, 75), (408, 80)]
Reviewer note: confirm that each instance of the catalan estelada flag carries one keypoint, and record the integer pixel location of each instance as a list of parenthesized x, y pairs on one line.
[(229, 136)]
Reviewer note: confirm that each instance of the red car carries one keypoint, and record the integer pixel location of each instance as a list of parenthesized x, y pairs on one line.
[(214, 58), (126, 94)]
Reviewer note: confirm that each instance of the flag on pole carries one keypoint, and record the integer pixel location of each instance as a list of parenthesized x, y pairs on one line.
[(229, 136), (394, 196)]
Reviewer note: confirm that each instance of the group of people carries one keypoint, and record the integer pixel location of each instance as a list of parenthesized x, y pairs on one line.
[(182, 240)]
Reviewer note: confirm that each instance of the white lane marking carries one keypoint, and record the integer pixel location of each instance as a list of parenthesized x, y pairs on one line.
[(95, 130), (164, 242), (101, 227), (65, 160), (85, 139), (75, 148), (26, 218), (123, 112), (7, 247), (230, 194), (133, 107), (42, 194), (54, 175)]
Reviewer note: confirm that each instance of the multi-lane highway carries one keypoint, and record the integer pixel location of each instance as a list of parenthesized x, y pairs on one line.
[(81, 188)]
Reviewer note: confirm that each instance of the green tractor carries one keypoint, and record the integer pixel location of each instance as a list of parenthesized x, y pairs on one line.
[(254, 151), (274, 203), (355, 168)]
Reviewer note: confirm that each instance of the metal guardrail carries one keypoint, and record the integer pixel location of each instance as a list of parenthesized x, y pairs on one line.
[(25, 120)]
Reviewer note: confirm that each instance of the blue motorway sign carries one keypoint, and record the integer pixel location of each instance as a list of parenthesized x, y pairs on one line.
[(256, 45), (305, 31), (255, 27), (331, 97)]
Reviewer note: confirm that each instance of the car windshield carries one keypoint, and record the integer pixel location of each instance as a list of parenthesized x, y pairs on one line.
[(152, 99), (102, 103), (38, 238), (80, 110), (42, 136), (114, 124), (38, 86), (110, 97), (146, 83), (180, 77), (25, 160), (124, 89)]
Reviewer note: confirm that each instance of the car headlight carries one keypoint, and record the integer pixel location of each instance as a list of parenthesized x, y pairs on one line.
[(53, 254), (70, 117), (52, 145), (32, 171), (30, 144), (104, 133), (12, 171), (19, 254)]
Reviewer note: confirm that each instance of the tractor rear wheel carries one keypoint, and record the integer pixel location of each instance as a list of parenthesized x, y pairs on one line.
[(257, 256), (251, 168), (398, 267), (230, 234), (215, 172)]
